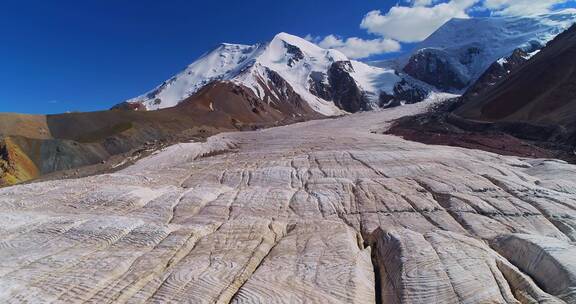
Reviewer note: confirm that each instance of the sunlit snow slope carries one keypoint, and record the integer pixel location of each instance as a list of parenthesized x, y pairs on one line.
[(296, 60)]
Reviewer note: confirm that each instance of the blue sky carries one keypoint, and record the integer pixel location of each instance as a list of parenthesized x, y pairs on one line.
[(58, 56)]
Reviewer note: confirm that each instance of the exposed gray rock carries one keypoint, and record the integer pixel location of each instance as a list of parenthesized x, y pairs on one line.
[(295, 52), (320, 85), (439, 69), (345, 92), (498, 71), (404, 93)]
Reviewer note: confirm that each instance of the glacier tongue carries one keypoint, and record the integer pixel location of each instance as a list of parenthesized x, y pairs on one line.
[(325, 211)]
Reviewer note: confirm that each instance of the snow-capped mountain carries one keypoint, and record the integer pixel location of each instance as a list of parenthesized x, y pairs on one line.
[(460, 51), (223, 63), (289, 67), (326, 79)]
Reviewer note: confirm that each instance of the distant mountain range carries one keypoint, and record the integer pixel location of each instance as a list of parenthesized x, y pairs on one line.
[(287, 68), (290, 68)]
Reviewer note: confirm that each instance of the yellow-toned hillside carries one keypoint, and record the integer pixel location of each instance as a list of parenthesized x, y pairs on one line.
[(15, 165)]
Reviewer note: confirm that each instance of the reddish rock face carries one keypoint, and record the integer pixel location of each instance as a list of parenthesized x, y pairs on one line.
[(278, 103), (130, 106), (75, 140), (500, 143)]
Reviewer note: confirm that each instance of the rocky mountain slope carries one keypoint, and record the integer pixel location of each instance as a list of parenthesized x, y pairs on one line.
[(327, 80), (540, 92), (32, 146), (298, 214), (460, 51), (522, 107)]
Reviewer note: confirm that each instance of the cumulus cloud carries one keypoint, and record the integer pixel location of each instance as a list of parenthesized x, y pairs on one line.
[(415, 20), (311, 38), (357, 48), (521, 7), (414, 23), (420, 2)]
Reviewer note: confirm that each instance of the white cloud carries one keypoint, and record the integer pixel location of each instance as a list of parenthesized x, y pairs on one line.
[(415, 23), (420, 2), (417, 19), (357, 48), (311, 38), (521, 7)]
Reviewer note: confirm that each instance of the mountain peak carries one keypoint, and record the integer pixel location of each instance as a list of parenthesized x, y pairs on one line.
[(289, 37), (299, 42), (307, 47)]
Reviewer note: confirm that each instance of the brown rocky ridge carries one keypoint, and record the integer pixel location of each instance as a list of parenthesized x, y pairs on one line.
[(528, 112), (37, 145)]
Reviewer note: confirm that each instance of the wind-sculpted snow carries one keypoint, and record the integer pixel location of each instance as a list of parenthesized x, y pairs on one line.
[(326, 211)]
